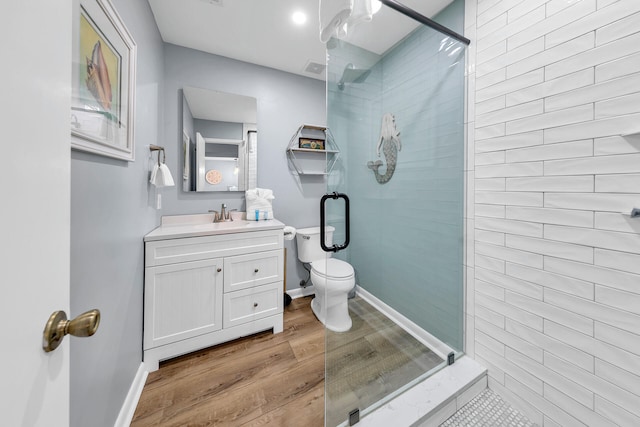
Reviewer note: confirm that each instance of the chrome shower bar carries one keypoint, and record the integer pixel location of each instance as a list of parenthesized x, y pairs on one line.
[(393, 4)]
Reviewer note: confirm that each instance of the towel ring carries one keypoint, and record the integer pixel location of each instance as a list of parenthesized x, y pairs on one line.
[(161, 150)]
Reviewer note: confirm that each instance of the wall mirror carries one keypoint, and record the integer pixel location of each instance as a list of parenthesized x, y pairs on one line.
[(219, 141)]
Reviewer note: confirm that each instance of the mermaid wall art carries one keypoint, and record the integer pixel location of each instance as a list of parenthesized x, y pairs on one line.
[(390, 144)]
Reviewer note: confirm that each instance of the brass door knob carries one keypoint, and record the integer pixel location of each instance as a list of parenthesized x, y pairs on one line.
[(58, 326)]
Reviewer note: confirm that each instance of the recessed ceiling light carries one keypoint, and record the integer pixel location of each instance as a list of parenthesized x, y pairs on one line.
[(299, 18)]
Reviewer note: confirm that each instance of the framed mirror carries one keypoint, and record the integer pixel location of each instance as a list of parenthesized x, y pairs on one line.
[(219, 141)]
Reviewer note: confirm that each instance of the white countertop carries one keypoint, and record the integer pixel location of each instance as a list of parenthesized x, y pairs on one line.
[(180, 226)]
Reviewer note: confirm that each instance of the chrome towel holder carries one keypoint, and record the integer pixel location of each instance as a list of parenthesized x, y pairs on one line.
[(153, 148)]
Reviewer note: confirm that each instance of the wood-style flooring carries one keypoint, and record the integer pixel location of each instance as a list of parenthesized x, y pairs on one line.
[(279, 380), (369, 362), (263, 379)]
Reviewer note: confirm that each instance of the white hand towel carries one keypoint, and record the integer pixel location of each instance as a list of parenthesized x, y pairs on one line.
[(259, 199), (161, 176), (333, 17), (154, 174), (165, 176)]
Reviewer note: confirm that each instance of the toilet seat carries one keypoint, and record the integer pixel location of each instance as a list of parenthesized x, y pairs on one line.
[(336, 269)]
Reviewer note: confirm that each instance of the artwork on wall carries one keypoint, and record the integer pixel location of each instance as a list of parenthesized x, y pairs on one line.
[(103, 82), (390, 144), (314, 144)]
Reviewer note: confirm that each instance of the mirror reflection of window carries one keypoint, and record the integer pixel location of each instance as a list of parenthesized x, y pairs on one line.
[(226, 125)]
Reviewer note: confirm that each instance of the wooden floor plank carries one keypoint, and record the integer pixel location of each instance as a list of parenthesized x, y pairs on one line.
[(253, 378), (279, 380), (307, 411)]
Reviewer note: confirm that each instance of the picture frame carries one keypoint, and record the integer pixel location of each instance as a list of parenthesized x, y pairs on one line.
[(103, 82), (311, 143)]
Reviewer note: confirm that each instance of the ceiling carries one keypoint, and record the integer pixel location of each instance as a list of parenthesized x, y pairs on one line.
[(262, 31)]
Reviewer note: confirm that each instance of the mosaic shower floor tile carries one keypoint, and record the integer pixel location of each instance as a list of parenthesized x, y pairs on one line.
[(487, 410)]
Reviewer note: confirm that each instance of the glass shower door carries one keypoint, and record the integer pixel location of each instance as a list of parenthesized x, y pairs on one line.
[(395, 110)]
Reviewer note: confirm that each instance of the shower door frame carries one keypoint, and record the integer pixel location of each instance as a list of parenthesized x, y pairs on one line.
[(450, 355)]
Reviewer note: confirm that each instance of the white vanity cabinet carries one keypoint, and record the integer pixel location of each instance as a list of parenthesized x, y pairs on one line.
[(212, 285), (182, 301)]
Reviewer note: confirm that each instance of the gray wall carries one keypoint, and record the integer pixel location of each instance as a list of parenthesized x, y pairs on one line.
[(285, 101), (109, 216), (113, 206)]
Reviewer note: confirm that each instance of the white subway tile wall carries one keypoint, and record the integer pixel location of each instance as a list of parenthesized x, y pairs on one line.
[(555, 136)]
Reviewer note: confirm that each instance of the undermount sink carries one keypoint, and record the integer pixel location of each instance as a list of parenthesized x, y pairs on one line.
[(236, 223), (178, 226)]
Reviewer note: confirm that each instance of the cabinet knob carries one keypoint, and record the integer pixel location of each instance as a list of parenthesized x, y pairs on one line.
[(255, 304), (255, 271), (219, 270)]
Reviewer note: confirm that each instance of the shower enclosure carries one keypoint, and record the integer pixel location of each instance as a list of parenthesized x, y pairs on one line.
[(395, 94)]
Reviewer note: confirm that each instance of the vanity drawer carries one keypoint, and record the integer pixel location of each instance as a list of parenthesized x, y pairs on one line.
[(246, 271), (173, 251), (251, 304)]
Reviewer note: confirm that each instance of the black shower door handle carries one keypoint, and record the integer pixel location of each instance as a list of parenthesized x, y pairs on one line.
[(323, 200)]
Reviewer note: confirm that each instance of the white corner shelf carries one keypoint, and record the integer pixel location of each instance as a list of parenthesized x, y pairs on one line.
[(313, 161)]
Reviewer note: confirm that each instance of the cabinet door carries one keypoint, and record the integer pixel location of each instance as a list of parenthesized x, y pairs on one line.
[(247, 271), (182, 301)]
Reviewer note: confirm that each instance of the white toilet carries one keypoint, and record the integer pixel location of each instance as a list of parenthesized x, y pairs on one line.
[(332, 279)]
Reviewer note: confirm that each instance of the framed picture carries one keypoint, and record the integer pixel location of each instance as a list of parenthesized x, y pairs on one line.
[(315, 144), (103, 82)]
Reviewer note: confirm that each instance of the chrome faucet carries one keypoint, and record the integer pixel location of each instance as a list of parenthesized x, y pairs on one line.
[(223, 215)]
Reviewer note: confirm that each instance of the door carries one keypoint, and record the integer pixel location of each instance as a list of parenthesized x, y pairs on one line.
[(35, 41), (397, 115)]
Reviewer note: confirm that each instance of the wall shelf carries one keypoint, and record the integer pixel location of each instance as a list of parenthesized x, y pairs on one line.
[(312, 161)]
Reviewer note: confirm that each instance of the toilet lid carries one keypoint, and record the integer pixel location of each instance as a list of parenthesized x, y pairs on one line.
[(332, 267)]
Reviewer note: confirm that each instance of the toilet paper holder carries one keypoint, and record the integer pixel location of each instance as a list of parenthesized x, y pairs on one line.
[(289, 233)]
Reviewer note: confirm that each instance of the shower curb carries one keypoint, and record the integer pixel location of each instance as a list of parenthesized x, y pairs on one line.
[(434, 400)]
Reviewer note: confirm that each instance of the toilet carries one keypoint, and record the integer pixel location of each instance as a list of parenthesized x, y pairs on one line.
[(332, 279)]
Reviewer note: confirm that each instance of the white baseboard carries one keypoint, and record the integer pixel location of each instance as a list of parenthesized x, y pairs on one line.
[(301, 292), (437, 346), (416, 331), (131, 401)]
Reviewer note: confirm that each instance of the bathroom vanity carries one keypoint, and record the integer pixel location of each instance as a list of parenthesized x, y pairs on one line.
[(207, 283)]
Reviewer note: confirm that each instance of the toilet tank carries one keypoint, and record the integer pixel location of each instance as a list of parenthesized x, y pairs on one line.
[(308, 242)]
